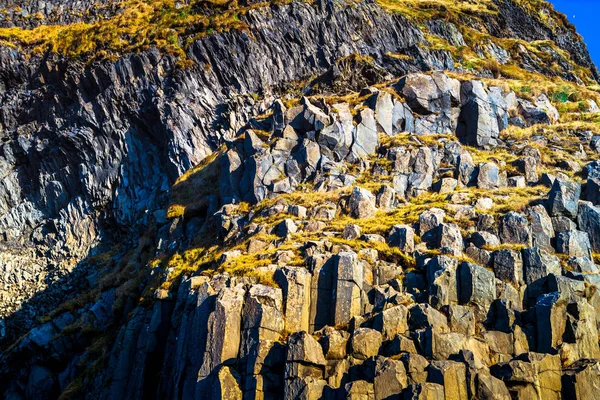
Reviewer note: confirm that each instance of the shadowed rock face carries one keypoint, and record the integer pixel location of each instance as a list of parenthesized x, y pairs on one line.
[(90, 152), (93, 149)]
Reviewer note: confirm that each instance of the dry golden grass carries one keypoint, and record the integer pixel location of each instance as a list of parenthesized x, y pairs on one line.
[(140, 25)]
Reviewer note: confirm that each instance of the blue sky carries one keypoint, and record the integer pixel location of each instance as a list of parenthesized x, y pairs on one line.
[(585, 15)]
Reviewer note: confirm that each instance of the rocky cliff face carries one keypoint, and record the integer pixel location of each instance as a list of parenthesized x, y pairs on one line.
[(337, 200)]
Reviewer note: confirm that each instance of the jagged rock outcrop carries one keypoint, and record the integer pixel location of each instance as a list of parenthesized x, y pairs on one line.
[(331, 202)]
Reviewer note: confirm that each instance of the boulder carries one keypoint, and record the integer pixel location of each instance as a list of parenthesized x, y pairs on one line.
[(295, 283), (528, 166), (423, 316), (416, 367), (485, 239), (588, 219), (403, 237), (386, 198), (402, 118), (365, 343), (542, 230), (334, 343), (449, 239), (481, 116), (311, 118), (362, 203), (477, 285), (574, 243), (582, 380), (508, 266), (286, 227), (351, 232), (348, 279), (466, 171), (489, 176), (427, 94), (461, 319), (514, 229), (538, 264), (384, 111), (335, 140), (442, 278), (391, 322), (304, 357), (452, 376), (365, 138), (551, 315), (516, 182), (390, 378), (429, 221), (563, 198)]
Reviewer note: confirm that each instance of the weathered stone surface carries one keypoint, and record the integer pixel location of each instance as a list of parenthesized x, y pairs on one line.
[(508, 266), (426, 94), (348, 280), (227, 385), (551, 313), (537, 264), (514, 229), (461, 319), (390, 378), (574, 243), (527, 166), (482, 117), (485, 239), (351, 232), (489, 176), (286, 227), (365, 343), (295, 283), (588, 219), (424, 391), (365, 137), (304, 388), (452, 376), (449, 239), (429, 220), (359, 390), (563, 198), (224, 331), (362, 203), (477, 285), (423, 316), (403, 237), (582, 380), (542, 230), (304, 357), (262, 317), (391, 322), (491, 388), (334, 343), (442, 279)]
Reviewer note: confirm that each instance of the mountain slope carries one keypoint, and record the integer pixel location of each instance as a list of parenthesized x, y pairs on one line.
[(165, 213)]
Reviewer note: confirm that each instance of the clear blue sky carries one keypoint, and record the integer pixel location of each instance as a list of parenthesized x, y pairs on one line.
[(585, 15)]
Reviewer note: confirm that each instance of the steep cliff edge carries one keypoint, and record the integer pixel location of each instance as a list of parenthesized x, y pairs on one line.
[(121, 176)]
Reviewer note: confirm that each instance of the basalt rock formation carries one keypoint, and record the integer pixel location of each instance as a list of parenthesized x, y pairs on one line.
[(308, 200)]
